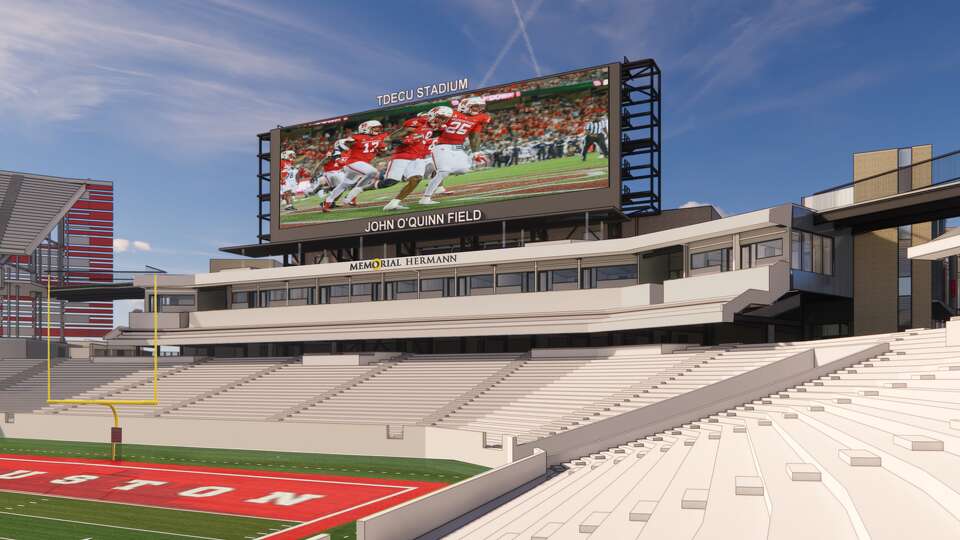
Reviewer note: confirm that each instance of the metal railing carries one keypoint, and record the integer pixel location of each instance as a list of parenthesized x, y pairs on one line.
[(941, 169)]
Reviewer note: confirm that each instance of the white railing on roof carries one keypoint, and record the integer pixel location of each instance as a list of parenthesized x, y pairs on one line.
[(829, 200)]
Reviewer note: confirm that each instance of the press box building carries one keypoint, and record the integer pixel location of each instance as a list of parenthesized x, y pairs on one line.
[(833, 265)]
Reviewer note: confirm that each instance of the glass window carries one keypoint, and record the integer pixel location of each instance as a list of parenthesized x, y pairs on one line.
[(807, 252), (904, 312), (611, 273), (272, 296), (407, 286), (512, 279), (818, 253), (566, 275), (240, 298), (745, 260), (796, 259), (707, 259), (176, 300), (828, 255), (339, 291), (769, 248), (903, 286), (481, 282), (431, 285), (302, 293), (362, 289)]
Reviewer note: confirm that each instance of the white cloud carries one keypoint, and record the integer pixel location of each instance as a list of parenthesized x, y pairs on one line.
[(176, 69), (694, 204), (122, 245)]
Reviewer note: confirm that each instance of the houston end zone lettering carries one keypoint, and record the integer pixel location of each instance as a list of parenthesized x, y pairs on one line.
[(279, 498), (317, 501), (452, 217)]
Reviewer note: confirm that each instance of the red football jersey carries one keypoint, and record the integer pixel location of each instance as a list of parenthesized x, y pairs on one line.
[(365, 147), (417, 144), (456, 130), (334, 163)]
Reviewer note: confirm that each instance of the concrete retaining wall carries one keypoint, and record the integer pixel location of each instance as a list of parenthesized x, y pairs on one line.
[(424, 514), (351, 439)]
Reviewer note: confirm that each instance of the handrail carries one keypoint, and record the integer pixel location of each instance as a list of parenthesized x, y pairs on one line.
[(896, 170)]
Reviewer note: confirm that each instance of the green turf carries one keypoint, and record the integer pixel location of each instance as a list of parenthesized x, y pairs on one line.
[(425, 470), (40, 517), (491, 174), (28, 525)]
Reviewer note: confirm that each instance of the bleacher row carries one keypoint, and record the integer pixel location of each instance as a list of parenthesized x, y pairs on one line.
[(869, 451), (527, 395)]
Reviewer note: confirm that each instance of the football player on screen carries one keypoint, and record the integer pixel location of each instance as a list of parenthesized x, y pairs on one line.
[(328, 173), (450, 154), (362, 147), (292, 173), (411, 158)]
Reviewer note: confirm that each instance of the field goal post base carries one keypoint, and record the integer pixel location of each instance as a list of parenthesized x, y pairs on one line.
[(116, 432)]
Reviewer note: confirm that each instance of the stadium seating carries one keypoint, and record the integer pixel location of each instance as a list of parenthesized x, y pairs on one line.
[(11, 367), (411, 390), (845, 456), (179, 385), (70, 378), (274, 394)]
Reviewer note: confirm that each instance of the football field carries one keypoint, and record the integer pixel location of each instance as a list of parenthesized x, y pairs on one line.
[(490, 184), (53, 490)]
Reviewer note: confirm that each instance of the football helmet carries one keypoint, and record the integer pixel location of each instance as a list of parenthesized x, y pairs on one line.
[(472, 105), (288, 155), (440, 114), (368, 127)]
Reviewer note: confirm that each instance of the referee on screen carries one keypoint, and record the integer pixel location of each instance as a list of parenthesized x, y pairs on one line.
[(595, 133)]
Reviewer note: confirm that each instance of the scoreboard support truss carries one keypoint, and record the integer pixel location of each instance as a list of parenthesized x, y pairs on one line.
[(640, 137)]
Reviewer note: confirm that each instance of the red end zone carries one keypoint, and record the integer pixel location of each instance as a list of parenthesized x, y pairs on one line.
[(319, 501)]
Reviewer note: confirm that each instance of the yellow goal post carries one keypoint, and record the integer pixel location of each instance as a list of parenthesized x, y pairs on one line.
[(111, 403)]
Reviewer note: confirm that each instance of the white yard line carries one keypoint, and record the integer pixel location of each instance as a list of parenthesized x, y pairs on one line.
[(337, 513), (110, 526), (141, 505)]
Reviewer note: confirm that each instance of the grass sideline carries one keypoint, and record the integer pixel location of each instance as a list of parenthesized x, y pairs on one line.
[(515, 173), (41, 522)]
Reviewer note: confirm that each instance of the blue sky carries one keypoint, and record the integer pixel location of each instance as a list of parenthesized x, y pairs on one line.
[(763, 101)]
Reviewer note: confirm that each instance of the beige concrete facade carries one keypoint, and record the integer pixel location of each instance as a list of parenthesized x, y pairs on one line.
[(875, 282), (875, 270)]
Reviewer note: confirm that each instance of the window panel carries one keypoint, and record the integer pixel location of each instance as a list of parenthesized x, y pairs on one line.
[(481, 282), (707, 259), (611, 273), (566, 275), (431, 284), (769, 248), (818, 253), (362, 289), (807, 252), (904, 286), (746, 261), (796, 257), (512, 279), (828, 255), (406, 286)]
